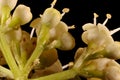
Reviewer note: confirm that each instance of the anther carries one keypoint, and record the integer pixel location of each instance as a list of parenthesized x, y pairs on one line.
[(65, 10), (108, 17), (95, 17), (53, 3)]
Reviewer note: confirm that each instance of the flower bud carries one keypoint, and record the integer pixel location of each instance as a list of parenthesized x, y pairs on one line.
[(10, 3), (6, 6), (21, 16), (51, 17)]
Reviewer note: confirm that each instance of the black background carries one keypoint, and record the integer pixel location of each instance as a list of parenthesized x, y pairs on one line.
[(81, 12)]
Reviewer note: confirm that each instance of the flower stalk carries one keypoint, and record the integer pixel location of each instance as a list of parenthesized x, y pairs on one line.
[(64, 75), (8, 55)]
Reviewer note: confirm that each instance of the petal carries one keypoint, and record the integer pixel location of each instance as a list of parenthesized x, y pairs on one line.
[(58, 30), (62, 26), (36, 23), (105, 33), (67, 41), (88, 26), (91, 35)]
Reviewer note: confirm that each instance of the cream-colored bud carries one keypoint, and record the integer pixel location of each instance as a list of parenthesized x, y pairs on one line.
[(23, 14), (10, 3), (51, 17)]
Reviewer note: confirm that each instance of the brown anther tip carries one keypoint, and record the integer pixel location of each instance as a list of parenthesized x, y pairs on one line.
[(95, 15), (108, 16), (65, 10)]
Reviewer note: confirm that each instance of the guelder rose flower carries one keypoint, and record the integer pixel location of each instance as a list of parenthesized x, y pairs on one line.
[(58, 30), (99, 34), (98, 37)]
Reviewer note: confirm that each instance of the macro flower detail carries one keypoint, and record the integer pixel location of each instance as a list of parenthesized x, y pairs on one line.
[(25, 56), (52, 18), (96, 34), (10, 23), (20, 16)]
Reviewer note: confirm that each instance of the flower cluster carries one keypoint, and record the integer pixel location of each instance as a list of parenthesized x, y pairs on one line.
[(100, 54), (51, 17), (36, 58), (27, 52)]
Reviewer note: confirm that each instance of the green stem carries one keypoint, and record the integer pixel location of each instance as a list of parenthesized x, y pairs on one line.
[(8, 55), (5, 14), (64, 75), (16, 52), (6, 72), (42, 39)]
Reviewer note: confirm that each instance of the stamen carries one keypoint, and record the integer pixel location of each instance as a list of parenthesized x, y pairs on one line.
[(65, 10), (32, 32), (71, 27), (53, 3), (114, 31), (67, 65), (94, 19), (108, 17)]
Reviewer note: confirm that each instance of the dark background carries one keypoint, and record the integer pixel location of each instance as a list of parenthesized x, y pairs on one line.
[(81, 12)]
